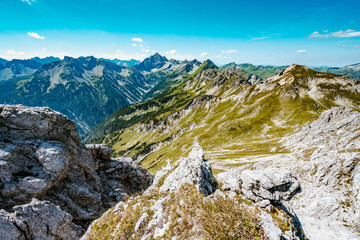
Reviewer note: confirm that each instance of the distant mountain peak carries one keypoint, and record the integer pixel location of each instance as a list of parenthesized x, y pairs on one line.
[(155, 61), (158, 57), (3, 61)]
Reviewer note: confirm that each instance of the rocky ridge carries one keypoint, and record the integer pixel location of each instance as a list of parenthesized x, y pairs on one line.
[(168, 204), (52, 185)]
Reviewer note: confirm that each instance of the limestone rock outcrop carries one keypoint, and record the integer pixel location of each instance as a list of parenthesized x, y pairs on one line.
[(193, 169), (268, 189), (42, 159)]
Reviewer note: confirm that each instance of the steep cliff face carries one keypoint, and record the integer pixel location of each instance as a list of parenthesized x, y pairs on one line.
[(52, 185)]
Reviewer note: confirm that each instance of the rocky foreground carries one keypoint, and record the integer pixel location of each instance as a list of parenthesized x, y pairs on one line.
[(325, 158), (312, 192), (185, 202), (51, 185)]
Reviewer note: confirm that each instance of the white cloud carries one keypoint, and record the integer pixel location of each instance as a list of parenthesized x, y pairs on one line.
[(204, 54), (137, 40), (35, 35), (301, 51), (145, 50), (346, 46), (339, 34), (29, 1), (12, 52), (172, 52), (229, 51), (136, 45)]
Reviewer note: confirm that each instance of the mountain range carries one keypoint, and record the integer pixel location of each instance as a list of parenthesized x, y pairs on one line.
[(86, 89), (297, 125), (241, 108), (267, 134), (70, 84)]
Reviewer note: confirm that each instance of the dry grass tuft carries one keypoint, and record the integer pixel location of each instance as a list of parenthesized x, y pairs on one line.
[(189, 215)]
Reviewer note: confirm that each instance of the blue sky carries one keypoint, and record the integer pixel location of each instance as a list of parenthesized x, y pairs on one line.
[(261, 32)]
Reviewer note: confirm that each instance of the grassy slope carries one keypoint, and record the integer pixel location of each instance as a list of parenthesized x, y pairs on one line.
[(241, 121)]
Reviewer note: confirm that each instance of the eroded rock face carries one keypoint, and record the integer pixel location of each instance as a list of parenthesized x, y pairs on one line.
[(230, 180), (194, 170), (41, 157)]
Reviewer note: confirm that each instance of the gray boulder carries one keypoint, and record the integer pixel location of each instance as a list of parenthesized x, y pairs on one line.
[(43, 220), (194, 170), (41, 157), (260, 185)]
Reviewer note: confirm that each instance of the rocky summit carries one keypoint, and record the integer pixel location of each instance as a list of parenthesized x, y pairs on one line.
[(52, 186)]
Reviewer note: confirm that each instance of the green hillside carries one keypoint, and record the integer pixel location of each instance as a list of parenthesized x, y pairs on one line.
[(227, 114)]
